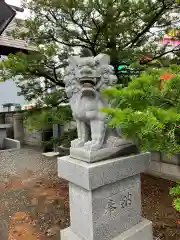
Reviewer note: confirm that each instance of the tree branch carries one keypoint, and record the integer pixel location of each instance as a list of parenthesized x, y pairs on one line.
[(170, 51), (55, 75), (81, 27), (39, 73), (70, 44), (146, 28), (174, 50), (67, 30)]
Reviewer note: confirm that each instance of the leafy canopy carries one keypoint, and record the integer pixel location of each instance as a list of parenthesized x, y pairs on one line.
[(56, 29)]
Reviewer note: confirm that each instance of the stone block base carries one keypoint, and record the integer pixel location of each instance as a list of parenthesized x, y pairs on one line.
[(105, 198), (141, 231)]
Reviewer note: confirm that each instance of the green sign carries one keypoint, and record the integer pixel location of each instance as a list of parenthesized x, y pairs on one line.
[(122, 68)]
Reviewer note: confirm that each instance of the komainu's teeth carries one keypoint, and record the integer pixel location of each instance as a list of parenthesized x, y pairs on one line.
[(87, 85), (87, 80)]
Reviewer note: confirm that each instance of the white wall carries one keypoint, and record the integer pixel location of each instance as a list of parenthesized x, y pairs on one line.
[(9, 94)]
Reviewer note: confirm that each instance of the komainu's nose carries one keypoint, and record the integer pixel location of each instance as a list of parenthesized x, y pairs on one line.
[(86, 71)]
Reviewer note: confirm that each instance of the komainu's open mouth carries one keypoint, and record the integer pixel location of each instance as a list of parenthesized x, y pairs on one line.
[(88, 83)]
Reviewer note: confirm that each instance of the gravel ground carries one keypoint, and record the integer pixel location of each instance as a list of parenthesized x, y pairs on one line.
[(157, 207), (17, 161), (34, 201)]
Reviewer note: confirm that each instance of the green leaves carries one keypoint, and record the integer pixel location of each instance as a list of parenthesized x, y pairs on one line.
[(41, 119), (177, 204), (57, 29), (148, 113), (175, 192), (119, 28)]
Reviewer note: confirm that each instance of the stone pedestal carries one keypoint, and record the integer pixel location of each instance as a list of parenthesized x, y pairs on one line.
[(3, 133), (18, 127), (105, 198), (9, 120), (2, 118)]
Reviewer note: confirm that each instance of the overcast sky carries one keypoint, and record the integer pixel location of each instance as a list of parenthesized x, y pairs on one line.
[(14, 2), (18, 4)]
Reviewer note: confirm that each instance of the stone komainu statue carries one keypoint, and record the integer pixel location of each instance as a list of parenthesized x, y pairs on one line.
[(84, 79)]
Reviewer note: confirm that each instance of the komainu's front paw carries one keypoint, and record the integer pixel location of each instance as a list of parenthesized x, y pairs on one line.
[(77, 143), (88, 144), (93, 146)]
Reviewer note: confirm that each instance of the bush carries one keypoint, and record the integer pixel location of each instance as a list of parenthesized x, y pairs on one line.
[(148, 110), (148, 113)]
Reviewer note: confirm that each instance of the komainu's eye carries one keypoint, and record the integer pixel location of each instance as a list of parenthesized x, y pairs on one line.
[(105, 70)]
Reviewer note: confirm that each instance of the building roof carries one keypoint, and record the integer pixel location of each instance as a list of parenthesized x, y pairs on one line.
[(7, 14), (18, 9), (9, 42)]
